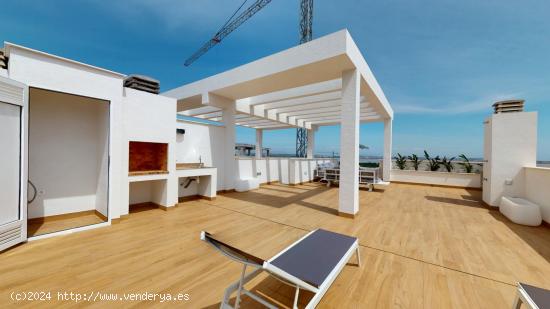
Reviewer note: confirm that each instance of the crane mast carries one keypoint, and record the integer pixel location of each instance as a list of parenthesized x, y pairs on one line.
[(306, 34)]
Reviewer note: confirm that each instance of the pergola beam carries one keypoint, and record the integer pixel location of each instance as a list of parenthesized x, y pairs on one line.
[(305, 115), (259, 111), (334, 107), (336, 121), (199, 111), (269, 127), (210, 115), (253, 122), (307, 106), (297, 92), (322, 97), (247, 117), (335, 117)]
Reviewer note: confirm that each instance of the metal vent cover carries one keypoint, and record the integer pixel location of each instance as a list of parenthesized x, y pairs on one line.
[(3, 60), (142, 83), (10, 235), (508, 106)]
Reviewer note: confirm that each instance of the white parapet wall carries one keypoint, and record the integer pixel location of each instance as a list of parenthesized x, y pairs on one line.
[(467, 180), (283, 170), (537, 182)]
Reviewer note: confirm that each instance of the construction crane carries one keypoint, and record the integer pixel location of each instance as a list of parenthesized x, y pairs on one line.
[(306, 34), (230, 25)]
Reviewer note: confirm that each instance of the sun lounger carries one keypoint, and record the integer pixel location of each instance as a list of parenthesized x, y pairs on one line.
[(532, 297), (311, 263), (367, 177)]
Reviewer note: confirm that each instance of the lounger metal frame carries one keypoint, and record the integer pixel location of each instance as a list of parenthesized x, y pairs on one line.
[(523, 297), (281, 275)]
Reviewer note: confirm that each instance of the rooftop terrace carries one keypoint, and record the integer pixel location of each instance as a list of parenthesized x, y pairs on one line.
[(422, 246)]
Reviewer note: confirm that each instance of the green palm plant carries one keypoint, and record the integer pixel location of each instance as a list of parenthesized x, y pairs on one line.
[(415, 161), (447, 163), (468, 167), (433, 163), (400, 161)]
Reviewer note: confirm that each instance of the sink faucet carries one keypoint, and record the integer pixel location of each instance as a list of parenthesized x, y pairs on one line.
[(200, 159)]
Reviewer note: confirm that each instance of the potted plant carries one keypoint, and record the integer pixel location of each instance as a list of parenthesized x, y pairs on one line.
[(415, 161), (400, 161), (447, 163), (433, 163), (468, 167)]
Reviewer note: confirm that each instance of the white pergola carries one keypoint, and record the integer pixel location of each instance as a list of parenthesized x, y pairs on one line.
[(323, 82)]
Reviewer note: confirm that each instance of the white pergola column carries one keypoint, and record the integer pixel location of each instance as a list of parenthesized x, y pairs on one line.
[(349, 144), (386, 166), (311, 141), (259, 142), (228, 119)]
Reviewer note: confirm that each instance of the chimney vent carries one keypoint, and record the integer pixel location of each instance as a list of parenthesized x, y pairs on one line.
[(142, 83), (3, 60), (508, 106)]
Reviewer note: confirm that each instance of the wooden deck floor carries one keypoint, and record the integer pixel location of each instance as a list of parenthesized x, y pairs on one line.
[(41, 226), (421, 246)]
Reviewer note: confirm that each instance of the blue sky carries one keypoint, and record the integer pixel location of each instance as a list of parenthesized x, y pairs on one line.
[(441, 63)]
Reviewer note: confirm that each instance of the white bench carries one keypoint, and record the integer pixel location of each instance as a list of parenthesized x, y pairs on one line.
[(520, 211)]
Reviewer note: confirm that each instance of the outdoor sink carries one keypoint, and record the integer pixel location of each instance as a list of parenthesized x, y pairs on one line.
[(186, 166)]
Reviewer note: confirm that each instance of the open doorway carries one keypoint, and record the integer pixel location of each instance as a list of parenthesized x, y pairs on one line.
[(68, 161)]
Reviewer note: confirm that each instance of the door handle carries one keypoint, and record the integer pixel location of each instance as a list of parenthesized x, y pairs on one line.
[(34, 192)]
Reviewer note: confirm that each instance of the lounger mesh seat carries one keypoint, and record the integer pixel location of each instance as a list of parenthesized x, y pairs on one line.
[(311, 263), (532, 296), (316, 256)]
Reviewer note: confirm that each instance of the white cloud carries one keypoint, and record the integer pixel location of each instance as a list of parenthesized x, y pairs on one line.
[(173, 14)]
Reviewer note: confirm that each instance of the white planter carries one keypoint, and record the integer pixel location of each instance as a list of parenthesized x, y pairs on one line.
[(468, 180)]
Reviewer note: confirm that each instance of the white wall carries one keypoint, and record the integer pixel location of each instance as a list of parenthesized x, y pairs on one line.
[(67, 140), (102, 192), (140, 192), (204, 141), (39, 70), (468, 180), (266, 169), (511, 147), (537, 184), (284, 170)]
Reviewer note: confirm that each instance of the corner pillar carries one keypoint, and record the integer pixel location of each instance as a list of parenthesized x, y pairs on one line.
[(348, 204)]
